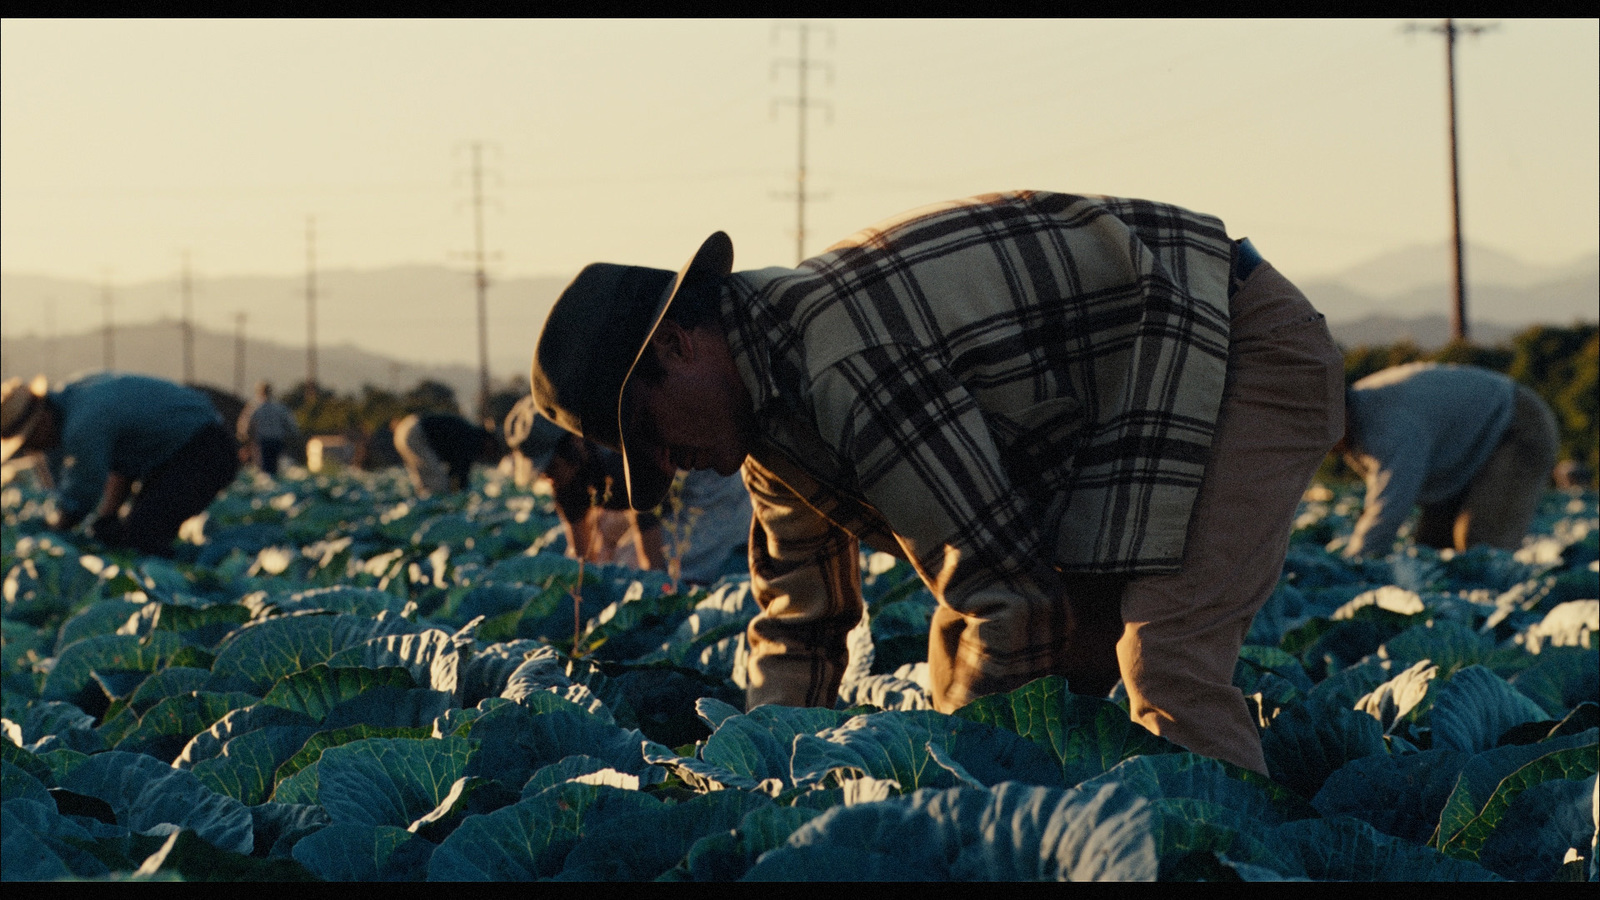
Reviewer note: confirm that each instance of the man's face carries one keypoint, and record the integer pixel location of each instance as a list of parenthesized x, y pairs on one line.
[(698, 416)]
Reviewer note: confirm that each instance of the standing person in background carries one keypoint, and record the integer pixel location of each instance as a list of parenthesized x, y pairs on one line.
[(110, 437), (438, 450), (266, 427), (1472, 447)]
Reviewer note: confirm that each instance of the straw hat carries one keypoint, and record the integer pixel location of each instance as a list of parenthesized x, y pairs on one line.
[(20, 408), (592, 342)]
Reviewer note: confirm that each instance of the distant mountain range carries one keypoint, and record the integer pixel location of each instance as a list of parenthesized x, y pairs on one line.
[(419, 316), (1406, 295), (156, 348), (392, 327)]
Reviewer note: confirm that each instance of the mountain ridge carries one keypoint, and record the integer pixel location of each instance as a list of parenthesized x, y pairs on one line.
[(423, 316), (157, 349)]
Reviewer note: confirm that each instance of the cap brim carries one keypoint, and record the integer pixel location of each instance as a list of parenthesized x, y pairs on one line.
[(647, 482)]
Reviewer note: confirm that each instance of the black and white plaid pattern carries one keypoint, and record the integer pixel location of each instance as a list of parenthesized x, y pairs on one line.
[(997, 388)]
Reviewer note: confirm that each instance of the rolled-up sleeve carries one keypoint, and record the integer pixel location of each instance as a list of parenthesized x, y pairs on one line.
[(1392, 487), (805, 574)]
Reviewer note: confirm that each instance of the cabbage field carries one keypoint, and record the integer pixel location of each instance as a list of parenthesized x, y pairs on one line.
[(334, 680)]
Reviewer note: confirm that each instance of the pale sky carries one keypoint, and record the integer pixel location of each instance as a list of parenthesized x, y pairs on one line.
[(125, 143)]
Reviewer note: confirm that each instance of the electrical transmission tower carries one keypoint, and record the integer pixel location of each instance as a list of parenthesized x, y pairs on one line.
[(803, 103), (50, 336), (108, 333), (311, 308), (187, 326), (1458, 314), (238, 353), (480, 278)]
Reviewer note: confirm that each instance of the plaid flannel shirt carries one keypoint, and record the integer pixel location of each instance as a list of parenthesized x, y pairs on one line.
[(997, 389)]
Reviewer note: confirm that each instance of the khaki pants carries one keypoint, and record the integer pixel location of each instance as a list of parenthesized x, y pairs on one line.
[(429, 474), (1173, 639), (1498, 505), (1177, 638), (1282, 410)]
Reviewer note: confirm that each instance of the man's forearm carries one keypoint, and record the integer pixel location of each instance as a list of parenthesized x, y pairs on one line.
[(804, 574), (115, 493), (649, 545), (118, 487)]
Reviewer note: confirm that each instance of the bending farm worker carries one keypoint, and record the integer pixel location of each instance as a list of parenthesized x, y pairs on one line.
[(1472, 447), (709, 521), (438, 450), (1085, 421), (586, 483), (109, 437)]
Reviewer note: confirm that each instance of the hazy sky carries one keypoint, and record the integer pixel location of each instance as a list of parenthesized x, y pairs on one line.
[(124, 143)]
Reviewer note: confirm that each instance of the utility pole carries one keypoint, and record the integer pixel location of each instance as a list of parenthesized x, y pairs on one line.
[(238, 353), (311, 308), (1459, 329), (480, 277), (803, 104), (108, 334), (188, 322), (50, 337)]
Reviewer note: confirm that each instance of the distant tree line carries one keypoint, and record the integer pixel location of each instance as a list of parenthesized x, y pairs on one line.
[(367, 418), (1562, 365)]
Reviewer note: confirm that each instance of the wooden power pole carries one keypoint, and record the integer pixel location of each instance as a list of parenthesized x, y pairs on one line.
[(311, 308), (108, 332), (1459, 327), (480, 279), (238, 353), (187, 325)]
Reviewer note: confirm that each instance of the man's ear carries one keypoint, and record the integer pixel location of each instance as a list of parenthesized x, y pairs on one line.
[(672, 342)]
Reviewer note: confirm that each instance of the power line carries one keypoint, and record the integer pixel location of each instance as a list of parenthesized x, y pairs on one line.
[(803, 104), (1459, 327)]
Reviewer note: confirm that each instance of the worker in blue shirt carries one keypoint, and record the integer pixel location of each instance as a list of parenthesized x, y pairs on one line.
[(1471, 447), (111, 437)]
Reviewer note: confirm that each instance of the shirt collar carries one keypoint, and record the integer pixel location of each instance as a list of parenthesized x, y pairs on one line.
[(749, 344)]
